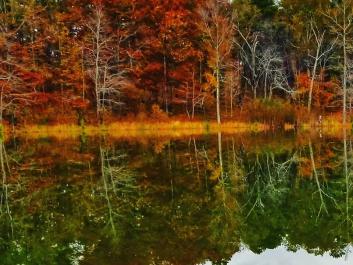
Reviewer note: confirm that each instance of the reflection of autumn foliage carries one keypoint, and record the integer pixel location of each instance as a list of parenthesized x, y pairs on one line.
[(324, 159), (172, 193), (51, 160)]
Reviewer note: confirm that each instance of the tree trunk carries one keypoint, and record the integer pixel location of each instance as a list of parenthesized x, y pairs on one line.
[(231, 94), (313, 74), (218, 96), (344, 77), (165, 83)]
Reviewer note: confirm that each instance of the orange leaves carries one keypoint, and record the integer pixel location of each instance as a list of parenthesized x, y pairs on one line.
[(153, 67), (324, 92), (323, 159), (79, 103), (303, 83), (211, 81), (41, 98), (32, 78)]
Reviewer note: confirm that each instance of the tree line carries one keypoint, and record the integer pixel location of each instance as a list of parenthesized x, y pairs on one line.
[(63, 60)]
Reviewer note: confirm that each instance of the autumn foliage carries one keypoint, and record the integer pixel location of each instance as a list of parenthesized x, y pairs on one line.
[(97, 60), (324, 91)]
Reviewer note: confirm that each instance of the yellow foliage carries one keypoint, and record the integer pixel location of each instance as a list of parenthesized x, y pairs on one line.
[(211, 82), (216, 173)]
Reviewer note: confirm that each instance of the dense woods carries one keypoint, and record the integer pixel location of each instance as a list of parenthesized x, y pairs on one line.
[(94, 60)]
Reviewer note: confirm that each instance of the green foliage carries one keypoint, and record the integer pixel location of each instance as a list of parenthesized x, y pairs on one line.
[(268, 7)]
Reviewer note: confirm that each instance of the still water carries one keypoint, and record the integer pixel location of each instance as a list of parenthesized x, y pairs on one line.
[(265, 199)]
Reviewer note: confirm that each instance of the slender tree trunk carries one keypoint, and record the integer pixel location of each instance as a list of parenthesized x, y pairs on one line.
[(231, 95), (96, 81), (165, 82), (344, 85), (193, 95), (346, 173), (315, 173), (220, 152), (312, 81), (218, 96), (1, 103), (103, 172), (253, 62), (344, 113), (83, 75)]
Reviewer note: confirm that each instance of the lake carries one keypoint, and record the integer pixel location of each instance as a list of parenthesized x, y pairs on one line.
[(245, 199)]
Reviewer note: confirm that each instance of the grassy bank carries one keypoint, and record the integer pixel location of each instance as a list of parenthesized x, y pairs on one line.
[(138, 129), (169, 128), (329, 125)]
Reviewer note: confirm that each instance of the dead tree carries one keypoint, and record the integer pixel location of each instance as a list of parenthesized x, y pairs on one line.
[(320, 52), (108, 79)]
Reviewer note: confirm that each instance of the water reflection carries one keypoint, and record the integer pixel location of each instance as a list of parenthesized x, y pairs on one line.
[(184, 201)]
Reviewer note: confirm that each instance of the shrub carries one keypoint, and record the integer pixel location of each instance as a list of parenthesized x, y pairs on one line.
[(274, 112), (158, 114)]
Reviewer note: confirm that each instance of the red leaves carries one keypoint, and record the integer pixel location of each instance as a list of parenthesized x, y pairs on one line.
[(79, 103), (32, 79), (153, 67), (303, 81), (324, 92)]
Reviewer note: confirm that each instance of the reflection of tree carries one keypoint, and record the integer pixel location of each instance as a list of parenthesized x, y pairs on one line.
[(5, 173), (267, 184), (268, 179), (117, 179), (321, 192), (292, 217), (56, 222), (113, 202), (347, 174)]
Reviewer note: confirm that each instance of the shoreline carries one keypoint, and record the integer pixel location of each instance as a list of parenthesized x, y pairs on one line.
[(172, 128), (137, 129)]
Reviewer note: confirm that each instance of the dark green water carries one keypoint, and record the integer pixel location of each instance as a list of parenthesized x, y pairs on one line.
[(249, 199)]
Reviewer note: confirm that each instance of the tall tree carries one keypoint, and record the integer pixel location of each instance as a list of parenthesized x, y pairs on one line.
[(107, 79), (218, 31), (320, 52), (340, 18)]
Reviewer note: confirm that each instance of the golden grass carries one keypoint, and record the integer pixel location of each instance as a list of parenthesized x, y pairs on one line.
[(138, 129), (330, 126)]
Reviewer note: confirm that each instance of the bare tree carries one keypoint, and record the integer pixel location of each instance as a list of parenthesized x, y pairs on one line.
[(271, 72), (117, 179), (108, 79), (232, 85), (350, 84), (218, 30), (249, 49), (320, 52)]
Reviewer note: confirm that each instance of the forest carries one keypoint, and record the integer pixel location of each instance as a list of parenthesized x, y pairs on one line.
[(94, 61)]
